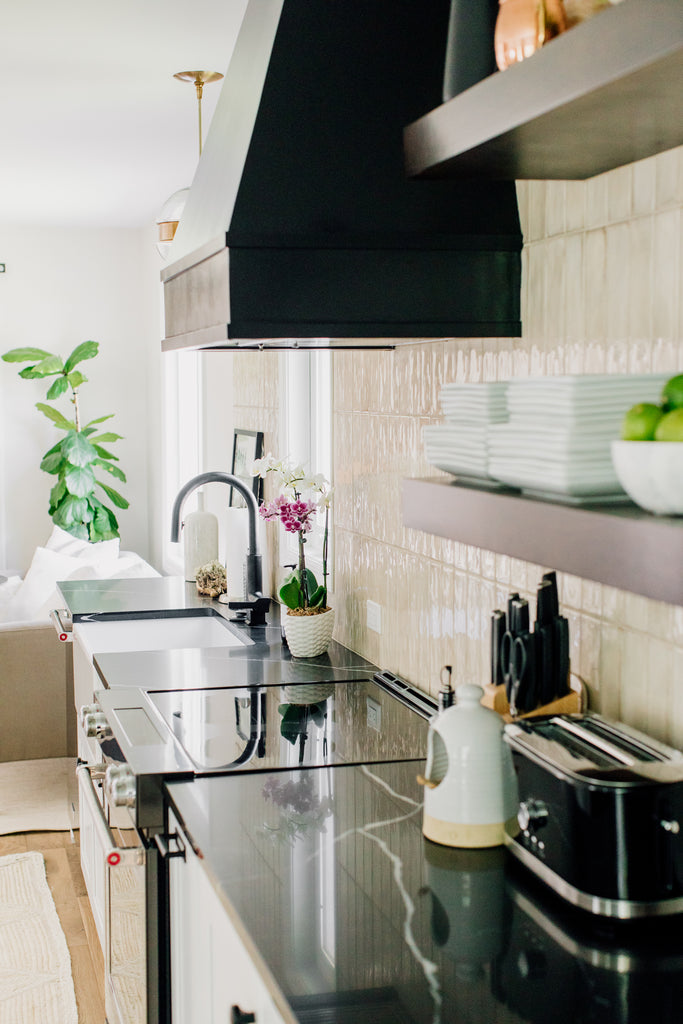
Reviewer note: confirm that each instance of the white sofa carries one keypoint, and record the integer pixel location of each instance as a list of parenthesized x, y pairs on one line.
[(36, 669)]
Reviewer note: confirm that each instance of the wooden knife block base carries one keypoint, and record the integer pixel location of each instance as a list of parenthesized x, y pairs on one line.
[(574, 701)]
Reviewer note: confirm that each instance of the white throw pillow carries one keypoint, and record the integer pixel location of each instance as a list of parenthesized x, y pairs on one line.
[(66, 544), (39, 582)]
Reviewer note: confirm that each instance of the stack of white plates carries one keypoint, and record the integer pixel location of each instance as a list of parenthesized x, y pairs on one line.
[(557, 440), (460, 445), (474, 403)]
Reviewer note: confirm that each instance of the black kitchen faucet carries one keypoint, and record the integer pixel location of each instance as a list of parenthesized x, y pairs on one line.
[(255, 604)]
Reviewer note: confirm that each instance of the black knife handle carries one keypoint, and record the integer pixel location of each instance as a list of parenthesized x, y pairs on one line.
[(497, 632), (545, 676), (562, 640), (544, 603), (551, 577)]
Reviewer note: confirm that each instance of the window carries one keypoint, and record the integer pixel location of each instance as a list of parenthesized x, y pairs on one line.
[(307, 431), (182, 439)]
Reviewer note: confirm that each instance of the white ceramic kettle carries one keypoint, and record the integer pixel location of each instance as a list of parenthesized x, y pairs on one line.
[(471, 792)]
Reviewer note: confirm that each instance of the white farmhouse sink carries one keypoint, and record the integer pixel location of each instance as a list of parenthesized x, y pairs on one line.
[(163, 634)]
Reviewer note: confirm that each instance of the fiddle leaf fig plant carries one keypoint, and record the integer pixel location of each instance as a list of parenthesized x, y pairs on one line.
[(75, 459)]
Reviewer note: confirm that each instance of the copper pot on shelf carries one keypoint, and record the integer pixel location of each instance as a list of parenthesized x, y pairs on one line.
[(524, 26)]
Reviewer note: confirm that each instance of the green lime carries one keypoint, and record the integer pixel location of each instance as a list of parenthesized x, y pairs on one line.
[(670, 427), (672, 392), (640, 421)]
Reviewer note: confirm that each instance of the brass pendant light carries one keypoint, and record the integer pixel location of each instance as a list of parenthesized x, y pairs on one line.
[(169, 215)]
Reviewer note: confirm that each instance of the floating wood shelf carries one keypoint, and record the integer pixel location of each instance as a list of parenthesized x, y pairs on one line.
[(601, 95), (620, 545)]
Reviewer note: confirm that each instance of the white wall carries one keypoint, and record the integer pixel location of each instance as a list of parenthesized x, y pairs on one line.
[(63, 286)]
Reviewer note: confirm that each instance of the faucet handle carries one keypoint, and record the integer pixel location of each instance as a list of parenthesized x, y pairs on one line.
[(255, 605)]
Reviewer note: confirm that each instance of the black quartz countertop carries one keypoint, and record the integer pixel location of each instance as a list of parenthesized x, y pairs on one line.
[(357, 917)]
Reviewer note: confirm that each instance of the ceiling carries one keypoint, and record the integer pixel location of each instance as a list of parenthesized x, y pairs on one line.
[(95, 129)]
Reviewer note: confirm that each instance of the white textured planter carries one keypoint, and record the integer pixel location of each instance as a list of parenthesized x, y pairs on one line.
[(309, 635), (308, 693)]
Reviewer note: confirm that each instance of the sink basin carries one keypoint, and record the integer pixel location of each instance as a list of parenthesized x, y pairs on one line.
[(162, 634)]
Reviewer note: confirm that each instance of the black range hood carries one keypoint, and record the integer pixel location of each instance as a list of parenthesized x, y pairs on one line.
[(301, 228)]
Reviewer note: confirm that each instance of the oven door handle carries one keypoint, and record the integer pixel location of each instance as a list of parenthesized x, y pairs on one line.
[(163, 845), (114, 855)]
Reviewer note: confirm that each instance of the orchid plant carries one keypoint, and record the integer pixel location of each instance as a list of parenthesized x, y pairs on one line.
[(301, 497)]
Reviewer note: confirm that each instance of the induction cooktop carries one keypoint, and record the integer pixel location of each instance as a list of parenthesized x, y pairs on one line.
[(312, 725), (150, 737)]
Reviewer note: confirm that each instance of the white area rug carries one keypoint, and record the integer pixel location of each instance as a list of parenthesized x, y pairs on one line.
[(36, 986), (35, 796)]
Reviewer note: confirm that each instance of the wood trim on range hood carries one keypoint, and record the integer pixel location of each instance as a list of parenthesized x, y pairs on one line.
[(317, 237)]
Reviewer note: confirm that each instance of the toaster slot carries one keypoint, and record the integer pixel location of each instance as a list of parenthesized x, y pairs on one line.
[(570, 749), (630, 744), (602, 751)]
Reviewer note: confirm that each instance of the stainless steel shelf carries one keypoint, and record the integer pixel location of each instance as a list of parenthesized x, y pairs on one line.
[(620, 545), (601, 95)]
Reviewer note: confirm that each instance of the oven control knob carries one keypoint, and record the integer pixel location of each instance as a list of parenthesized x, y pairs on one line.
[(94, 722), (119, 786), (532, 814)]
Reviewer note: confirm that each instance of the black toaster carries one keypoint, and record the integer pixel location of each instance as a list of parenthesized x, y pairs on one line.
[(600, 814)]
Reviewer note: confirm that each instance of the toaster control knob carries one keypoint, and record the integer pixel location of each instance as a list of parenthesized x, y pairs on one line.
[(532, 814)]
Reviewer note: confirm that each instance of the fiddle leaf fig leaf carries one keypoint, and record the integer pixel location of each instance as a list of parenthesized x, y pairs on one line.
[(58, 387), (114, 470), (100, 419), (114, 496), (56, 495), (48, 366), (104, 454), (79, 480), (107, 437), (75, 379), (86, 350), (56, 416), (53, 462), (29, 373), (25, 355), (104, 519), (77, 449), (71, 511)]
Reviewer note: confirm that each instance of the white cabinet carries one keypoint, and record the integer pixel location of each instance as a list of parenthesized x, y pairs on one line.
[(211, 971), (93, 864)]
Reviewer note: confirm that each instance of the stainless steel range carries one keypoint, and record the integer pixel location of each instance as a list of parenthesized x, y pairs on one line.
[(146, 738)]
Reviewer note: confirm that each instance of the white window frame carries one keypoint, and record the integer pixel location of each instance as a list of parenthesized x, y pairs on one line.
[(182, 385), (306, 427)]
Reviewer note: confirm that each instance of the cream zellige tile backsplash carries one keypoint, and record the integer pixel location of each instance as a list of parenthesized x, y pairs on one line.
[(602, 267)]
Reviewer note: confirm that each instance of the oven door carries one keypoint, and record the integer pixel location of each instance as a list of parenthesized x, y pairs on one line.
[(115, 867)]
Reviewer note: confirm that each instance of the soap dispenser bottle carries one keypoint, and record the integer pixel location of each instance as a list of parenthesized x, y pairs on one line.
[(200, 539)]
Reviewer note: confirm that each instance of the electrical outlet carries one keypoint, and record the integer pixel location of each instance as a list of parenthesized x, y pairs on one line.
[(374, 714), (374, 616)]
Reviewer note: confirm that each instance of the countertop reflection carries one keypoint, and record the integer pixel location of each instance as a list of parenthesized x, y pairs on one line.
[(358, 916)]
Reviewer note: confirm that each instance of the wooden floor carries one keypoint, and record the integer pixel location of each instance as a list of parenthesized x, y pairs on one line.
[(62, 863)]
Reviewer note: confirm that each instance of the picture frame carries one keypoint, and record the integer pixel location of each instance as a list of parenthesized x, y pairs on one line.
[(247, 445)]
